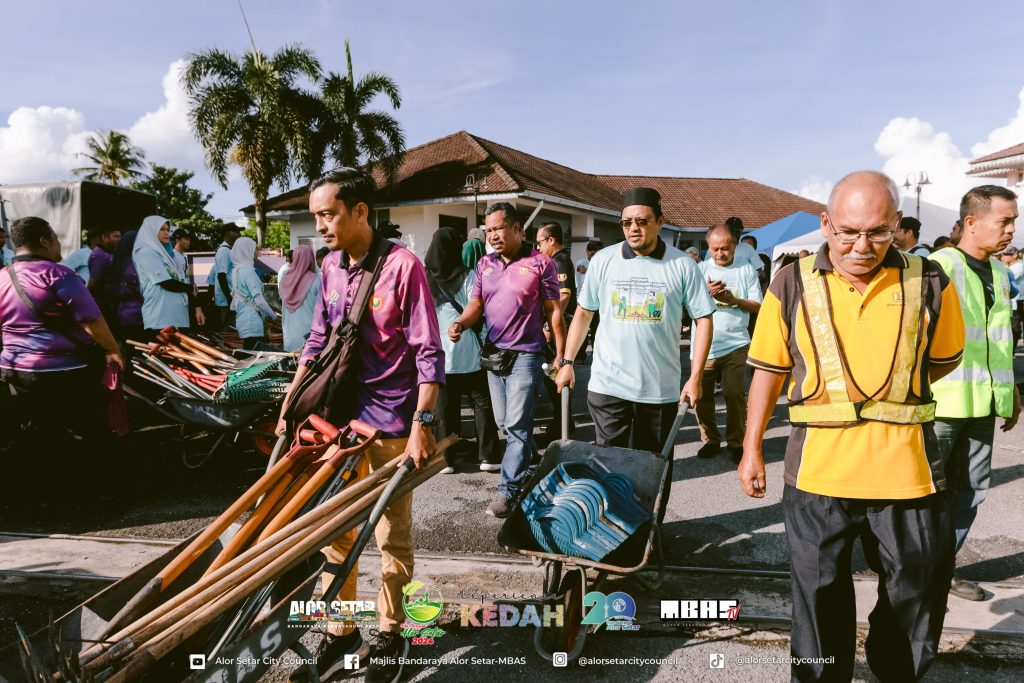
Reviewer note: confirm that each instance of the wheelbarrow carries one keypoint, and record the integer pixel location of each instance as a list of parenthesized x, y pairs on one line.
[(565, 577)]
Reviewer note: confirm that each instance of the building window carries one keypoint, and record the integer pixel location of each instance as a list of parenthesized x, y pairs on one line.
[(460, 223), (381, 216)]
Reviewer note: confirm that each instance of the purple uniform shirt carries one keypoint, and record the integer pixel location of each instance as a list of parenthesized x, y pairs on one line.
[(399, 340), (129, 297), (56, 290), (100, 262), (514, 294)]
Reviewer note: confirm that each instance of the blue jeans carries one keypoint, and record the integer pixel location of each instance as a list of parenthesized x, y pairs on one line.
[(514, 399), (966, 448)]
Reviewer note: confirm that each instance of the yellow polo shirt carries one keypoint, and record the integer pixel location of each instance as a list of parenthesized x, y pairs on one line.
[(868, 459)]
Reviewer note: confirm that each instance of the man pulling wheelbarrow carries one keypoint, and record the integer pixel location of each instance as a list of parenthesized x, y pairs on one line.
[(375, 316)]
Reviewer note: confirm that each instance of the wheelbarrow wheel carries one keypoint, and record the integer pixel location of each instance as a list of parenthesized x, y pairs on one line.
[(568, 638), (572, 587)]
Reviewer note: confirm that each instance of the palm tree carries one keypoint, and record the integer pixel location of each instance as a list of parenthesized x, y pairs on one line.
[(250, 111), (114, 156), (350, 133)]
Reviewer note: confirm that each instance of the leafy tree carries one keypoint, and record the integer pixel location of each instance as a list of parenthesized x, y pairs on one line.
[(351, 133), (250, 111), (114, 156), (184, 206), (278, 234)]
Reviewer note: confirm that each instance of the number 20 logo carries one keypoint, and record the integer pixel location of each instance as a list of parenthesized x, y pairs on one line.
[(603, 607)]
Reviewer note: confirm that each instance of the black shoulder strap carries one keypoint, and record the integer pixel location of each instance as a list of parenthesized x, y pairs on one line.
[(447, 297), (52, 323), (366, 284)]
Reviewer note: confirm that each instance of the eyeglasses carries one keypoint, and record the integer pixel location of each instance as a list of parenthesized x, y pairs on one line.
[(877, 235), (640, 222), (542, 240)]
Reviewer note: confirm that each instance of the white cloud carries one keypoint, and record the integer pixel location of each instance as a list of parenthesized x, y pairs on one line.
[(40, 144), (816, 188), (1005, 136), (910, 145), (165, 134)]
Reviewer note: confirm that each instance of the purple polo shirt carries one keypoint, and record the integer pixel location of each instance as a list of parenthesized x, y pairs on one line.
[(399, 339), (55, 290), (514, 294), (100, 262)]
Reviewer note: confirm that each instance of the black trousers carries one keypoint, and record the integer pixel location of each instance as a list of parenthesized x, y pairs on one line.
[(909, 543), (472, 385), (66, 398), (641, 426)]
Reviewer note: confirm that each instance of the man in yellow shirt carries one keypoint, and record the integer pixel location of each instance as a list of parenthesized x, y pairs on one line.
[(861, 330)]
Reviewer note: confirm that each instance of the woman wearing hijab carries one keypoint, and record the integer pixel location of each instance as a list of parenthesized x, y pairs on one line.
[(451, 284), (299, 287), (127, 293), (162, 278), (247, 300), (474, 248)]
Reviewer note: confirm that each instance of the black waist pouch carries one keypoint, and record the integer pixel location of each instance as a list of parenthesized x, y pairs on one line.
[(496, 360)]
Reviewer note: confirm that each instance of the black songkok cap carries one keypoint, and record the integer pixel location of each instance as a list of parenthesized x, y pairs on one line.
[(642, 196)]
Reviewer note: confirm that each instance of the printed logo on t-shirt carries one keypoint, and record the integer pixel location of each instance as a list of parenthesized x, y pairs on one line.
[(376, 302), (488, 270), (562, 277), (638, 300), (333, 299), (523, 270)]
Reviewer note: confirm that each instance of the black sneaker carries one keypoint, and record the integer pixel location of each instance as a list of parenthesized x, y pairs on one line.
[(737, 454), (331, 656), (709, 450), (967, 590), (501, 507), (386, 655)]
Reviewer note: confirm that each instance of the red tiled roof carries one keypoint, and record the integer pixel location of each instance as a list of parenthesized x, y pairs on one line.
[(1001, 154), (439, 169), (701, 202)]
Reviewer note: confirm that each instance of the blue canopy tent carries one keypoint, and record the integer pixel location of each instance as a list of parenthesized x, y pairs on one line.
[(784, 229)]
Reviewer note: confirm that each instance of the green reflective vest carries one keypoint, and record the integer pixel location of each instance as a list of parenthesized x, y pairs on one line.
[(986, 372), (837, 405)]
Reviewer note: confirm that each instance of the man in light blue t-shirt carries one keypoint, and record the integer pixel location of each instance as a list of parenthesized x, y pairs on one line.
[(220, 276), (640, 288), (737, 293)]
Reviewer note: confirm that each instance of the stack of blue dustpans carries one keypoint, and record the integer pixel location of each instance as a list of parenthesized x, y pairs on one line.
[(582, 510)]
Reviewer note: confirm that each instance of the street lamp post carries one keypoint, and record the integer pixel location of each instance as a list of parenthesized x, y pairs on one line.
[(917, 180), (472, 183)]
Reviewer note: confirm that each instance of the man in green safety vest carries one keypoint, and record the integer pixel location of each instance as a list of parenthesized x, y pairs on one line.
[(969, 398), (857, 332)]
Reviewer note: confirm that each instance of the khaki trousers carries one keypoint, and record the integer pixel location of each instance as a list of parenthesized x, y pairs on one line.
[(394, 540), (734, 367)]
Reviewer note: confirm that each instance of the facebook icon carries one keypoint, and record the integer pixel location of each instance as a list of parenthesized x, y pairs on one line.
[(351, 662)]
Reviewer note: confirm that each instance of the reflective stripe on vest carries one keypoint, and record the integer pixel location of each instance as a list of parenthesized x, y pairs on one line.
[(985, 375), (835, 407)]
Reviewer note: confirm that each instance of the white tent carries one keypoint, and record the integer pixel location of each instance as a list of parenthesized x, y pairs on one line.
[(935, 221)]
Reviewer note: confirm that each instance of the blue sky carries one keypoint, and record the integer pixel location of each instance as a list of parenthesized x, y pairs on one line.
[(792, 94)]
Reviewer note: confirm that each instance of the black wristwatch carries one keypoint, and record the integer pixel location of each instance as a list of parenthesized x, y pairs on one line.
[(564, 362), (425, 418)]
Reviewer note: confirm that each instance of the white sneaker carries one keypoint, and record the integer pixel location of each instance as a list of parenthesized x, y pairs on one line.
[(490, 467), (448, 470)]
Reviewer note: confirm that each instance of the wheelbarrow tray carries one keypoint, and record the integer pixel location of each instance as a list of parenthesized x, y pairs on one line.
[(212, 415), (84, 624), (646, 471)]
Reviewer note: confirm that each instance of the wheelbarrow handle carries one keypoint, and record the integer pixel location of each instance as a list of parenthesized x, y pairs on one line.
[(677, 424), (565, 413), (324, 427)]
